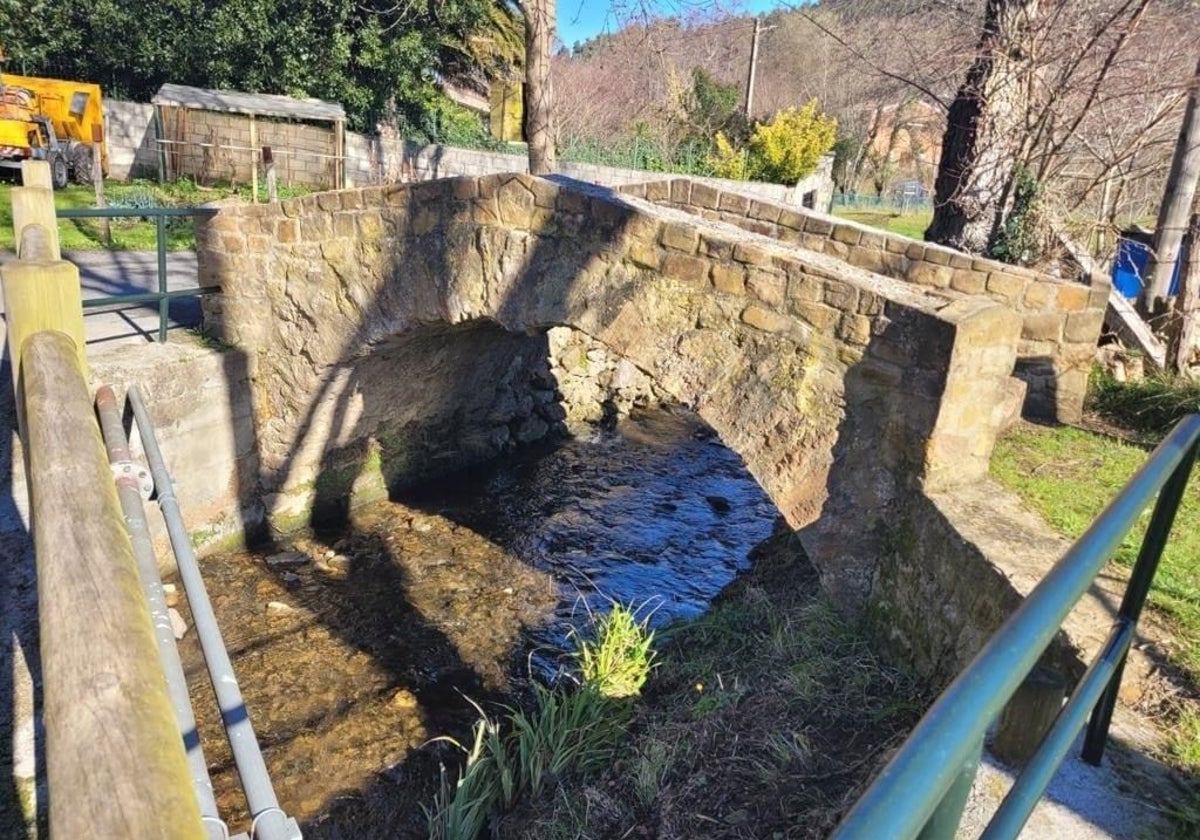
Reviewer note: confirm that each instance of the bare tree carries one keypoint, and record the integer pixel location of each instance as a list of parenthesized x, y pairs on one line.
[(1176, 206)]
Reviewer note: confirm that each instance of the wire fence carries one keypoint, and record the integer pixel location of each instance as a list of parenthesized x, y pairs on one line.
[(902, 203), (640, 153)]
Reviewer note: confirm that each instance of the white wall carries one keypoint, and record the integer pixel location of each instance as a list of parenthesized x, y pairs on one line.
[(129, 132)]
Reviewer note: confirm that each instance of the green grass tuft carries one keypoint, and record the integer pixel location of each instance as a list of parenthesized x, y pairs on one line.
[(1150, 407), (619, 657), (568, 734), (461, 811)]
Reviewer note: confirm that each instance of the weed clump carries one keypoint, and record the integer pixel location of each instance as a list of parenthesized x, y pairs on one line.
[(618, 660)]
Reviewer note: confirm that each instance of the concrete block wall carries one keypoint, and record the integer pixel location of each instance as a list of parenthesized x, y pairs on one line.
[(129, 133), (211, 145), (1061, 319), (385, 159)]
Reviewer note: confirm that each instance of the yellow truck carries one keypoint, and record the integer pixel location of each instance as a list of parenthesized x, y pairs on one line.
[(53, 120)]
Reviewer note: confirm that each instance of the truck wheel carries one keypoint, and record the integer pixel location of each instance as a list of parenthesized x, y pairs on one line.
[(58, 172), (81, 163)]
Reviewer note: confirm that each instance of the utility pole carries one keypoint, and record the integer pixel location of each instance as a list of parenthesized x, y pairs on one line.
[(1176, 207), (758, 30), (753, 63), (539, 92)]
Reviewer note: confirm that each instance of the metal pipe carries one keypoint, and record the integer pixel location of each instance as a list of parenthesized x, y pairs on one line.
[(130, 496), (133, 212), (149, 297), (943, 824), (270, 822), (160, 232), (1023, 797), (1153, 543)]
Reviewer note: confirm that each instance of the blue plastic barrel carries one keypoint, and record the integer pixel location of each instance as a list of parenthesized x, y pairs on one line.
[(1129, 268)]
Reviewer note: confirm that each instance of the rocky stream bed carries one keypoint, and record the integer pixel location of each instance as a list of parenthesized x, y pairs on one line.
[(356, 648)]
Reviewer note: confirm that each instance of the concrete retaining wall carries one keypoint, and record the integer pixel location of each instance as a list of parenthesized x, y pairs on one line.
[(1061, 320)]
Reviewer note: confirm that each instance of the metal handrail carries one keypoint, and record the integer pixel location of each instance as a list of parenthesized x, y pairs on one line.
[(270, 822), (160, 215), (922, 791)]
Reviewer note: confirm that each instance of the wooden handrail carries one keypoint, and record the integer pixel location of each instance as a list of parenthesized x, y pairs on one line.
[(115, 764)]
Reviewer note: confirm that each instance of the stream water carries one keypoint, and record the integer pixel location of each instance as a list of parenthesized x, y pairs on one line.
[(354, 649)]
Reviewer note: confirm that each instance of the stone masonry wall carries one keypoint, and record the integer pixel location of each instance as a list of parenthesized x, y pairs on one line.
[(595, 384), (1061, 320), (844, 391)]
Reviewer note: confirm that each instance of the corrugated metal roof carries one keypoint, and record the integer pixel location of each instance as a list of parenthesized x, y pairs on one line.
[(260, 104)]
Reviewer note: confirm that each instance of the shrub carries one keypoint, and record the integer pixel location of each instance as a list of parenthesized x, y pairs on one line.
[(781, 151), (728, 161), (788, 147)]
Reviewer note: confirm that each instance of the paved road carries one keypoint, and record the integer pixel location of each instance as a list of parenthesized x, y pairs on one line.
[(105, 273)]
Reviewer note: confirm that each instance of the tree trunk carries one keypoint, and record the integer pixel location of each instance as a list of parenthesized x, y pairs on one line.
[(1176, 207), (984, 128), (539, 92), (1187, 303)]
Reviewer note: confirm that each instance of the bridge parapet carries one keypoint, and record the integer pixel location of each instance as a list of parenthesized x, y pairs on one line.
[(845, 391), (1060, 320)]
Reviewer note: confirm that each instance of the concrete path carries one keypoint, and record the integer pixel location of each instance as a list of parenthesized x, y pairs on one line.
[(107, 273)]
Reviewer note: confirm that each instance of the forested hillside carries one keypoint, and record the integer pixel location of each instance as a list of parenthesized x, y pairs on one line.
[(1096, 132)]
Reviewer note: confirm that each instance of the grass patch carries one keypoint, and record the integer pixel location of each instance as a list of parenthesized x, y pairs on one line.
[(906, 224), (128, 234), (565, 735), (1068, 475)]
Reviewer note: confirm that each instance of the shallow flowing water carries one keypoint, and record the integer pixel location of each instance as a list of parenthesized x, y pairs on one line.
[(355, 648)]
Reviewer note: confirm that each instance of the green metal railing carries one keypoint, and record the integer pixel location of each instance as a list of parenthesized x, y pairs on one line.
[(923, 790), (162, 297)]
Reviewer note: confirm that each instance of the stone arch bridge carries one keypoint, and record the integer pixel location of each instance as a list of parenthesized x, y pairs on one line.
[(393, 332)]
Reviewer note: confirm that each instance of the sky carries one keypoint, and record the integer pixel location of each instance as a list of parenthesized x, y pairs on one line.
[(579, 20)]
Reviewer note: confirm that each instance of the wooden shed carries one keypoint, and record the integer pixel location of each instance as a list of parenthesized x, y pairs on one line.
[(221, 134)]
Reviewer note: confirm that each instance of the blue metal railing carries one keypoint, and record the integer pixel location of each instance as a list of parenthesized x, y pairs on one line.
[(923, 789), (160, 215)]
